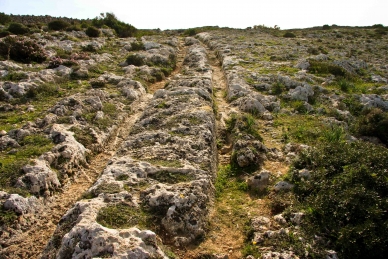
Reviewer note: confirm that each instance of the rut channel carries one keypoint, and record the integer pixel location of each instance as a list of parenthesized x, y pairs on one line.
[(30, 243)]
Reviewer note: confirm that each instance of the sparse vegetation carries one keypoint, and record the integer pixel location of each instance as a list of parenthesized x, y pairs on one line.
[(171, 177), (343, 200), (122, 216), (31, 146)]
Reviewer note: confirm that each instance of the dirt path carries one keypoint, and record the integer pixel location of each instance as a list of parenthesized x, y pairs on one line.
[(233, 208), (31, 242), (179, 62)]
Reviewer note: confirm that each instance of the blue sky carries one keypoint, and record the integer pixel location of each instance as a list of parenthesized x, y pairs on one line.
[(174, 14)]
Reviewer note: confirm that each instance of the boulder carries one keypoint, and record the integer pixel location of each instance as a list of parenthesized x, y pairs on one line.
[(19, 134), (63, 70), (9, 65), (7, 142), (151, 45), (281, 255), (260, 181), (21, 205), (191, 41), (249, 152), (301, 93), (251, 105), (95, 102), (283, 186), (374, 100), (89, 239), (39, 179)]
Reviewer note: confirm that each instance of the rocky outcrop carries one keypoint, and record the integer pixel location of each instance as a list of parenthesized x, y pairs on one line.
[(39, 178), (171, 152), (21, 205)]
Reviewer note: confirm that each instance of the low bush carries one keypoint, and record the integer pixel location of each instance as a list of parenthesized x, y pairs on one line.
[(22, 49), (137, 45), (135, 59), (323, 67), (43, 91), (190, 32), (122, 29), (18, 29), (374, 123), (278, 88), (14, 76), (245, 123), (353, 105), (345, 199), (289, 35), (4, 34), (4, 18), (345, 85), (93, 32), (75, 27), (7, 217), (58, 25)]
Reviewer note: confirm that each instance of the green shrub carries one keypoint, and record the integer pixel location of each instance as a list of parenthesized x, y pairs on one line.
[(289, 35), (345, 199), (15, 76), (373, 122), (135, 59), (299, 106), (353, 105), (313, 51), (75, 27), (345, 85), (7, 217), (4, 34), (93, 32), (43, 91), (18, 29), (243, 123), (137, 45), (122, 29), (326, 27), (190, 32), (333, 134), (58, 25), (4, 18), (22, 49), (323, 67), (277, 88)]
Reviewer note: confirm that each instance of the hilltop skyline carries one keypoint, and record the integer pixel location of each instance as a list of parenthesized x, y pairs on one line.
[(172, 14)]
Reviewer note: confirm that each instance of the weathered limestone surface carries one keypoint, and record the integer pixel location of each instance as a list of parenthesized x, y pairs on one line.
[(165, 168)]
